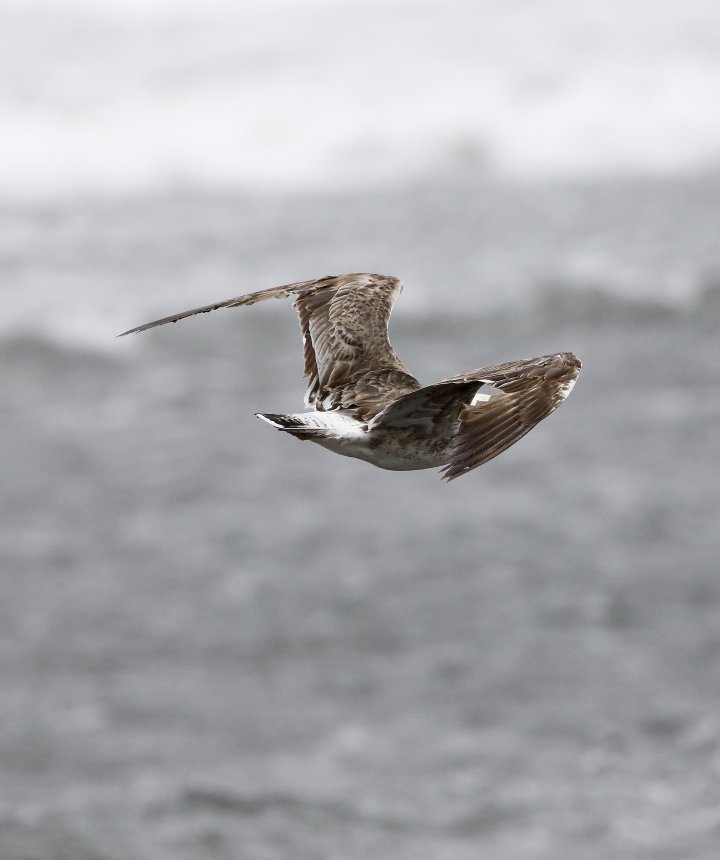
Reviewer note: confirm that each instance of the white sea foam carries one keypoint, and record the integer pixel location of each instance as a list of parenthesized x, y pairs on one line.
[(125, 97)]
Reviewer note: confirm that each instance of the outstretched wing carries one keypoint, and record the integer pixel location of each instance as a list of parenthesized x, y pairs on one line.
[(349, 362), (531, 390)]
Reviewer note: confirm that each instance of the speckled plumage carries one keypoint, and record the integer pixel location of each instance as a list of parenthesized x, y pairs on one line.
[(365, 402)]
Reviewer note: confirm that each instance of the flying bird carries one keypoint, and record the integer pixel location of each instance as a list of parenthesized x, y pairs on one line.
[(365, 403)]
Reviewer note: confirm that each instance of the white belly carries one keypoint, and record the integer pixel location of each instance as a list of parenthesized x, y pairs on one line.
[(385, 459), (386, 450), (398, 450)]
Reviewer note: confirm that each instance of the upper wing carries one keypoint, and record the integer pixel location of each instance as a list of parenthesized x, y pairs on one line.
[(531, 390), (349, 362)]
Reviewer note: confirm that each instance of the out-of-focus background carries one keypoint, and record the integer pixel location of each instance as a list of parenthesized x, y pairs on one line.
[(218, 643)]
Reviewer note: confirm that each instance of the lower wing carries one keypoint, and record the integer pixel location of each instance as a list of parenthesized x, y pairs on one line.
[(531, 390)]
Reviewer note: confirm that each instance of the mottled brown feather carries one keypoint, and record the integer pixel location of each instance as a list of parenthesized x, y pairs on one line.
[(349, 361), (531, 389)]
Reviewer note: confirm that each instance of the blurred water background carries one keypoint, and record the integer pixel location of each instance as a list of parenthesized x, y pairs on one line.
[(218, 643)]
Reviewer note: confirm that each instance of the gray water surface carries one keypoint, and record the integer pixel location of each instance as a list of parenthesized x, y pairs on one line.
[(217, 642)]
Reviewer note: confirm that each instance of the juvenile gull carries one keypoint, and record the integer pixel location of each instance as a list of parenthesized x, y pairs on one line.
[(365, 403)]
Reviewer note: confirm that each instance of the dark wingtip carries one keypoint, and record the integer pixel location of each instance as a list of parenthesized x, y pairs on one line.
[(132, 330), (446, 475)]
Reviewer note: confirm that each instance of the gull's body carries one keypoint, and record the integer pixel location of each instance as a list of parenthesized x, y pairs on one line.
[(366, 404)]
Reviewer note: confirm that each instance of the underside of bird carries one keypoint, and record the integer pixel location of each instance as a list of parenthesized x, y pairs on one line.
[(364, 403)]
